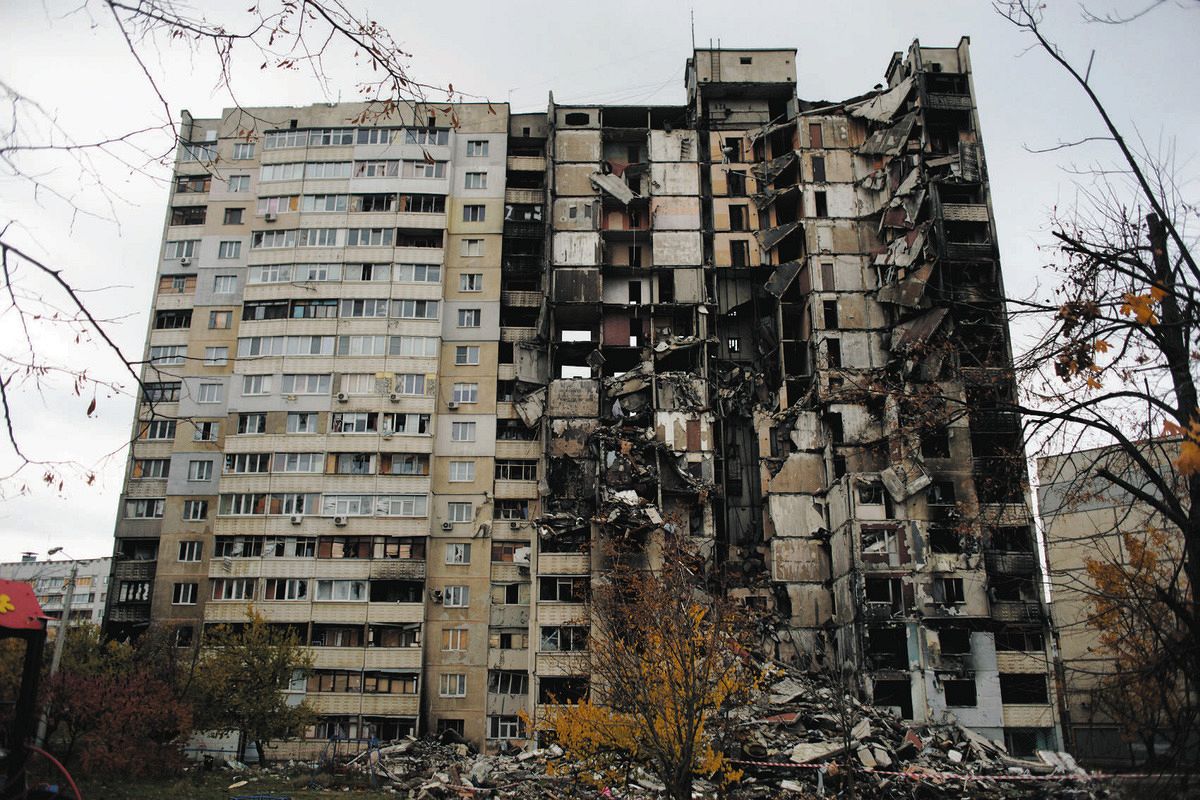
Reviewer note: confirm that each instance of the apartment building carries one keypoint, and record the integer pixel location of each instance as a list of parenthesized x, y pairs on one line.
[(51, 580), (411, 382)]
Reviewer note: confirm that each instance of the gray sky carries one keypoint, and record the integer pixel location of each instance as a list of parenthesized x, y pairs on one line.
[(76, 66)]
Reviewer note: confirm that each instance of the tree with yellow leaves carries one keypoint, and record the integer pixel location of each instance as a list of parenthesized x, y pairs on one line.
[(1114, 370), (666, 659)]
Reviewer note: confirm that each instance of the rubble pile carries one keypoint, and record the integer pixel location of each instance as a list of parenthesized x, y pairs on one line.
[(802, 736)]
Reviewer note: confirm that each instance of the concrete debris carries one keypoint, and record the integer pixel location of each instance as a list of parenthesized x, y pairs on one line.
[(614, 186), (883, 107)]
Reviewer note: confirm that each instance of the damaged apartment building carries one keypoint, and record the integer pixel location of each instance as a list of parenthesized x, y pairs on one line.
[(462, 355)]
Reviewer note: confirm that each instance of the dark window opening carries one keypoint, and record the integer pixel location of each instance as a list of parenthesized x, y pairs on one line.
[(960, 692), (955, 641), (821, 202), (577, 118), (736, 183), (745, 60), (833, 353), (829, 310), (887, 647), (739, 254), (936, 444), (941, 493), (943, 539), (562, 690), (1025, 741), (818, 169), (837, 432), (456, 725), (1019, 641), (953, 590), (733, 149), (1023, 688), (897, 694), (1012, 539), (737, 218)]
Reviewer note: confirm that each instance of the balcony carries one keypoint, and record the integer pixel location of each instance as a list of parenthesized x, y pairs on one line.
[(534, 197), (948, 102), (522, 265), (995, 421), (401, 568), (520, 299), (134, 570), (965, 212), (526, 163), (1005, 562), (131, 612), (524, 230), (1017, 611), (518, 334), (970, 251)]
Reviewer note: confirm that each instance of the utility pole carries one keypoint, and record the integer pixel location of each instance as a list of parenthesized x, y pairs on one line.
[(59, 641)]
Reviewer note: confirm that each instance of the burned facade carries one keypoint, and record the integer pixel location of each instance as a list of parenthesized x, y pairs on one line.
[(771, 325)]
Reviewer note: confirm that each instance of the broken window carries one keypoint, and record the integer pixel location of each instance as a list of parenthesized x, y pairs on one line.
[(887, 646), (941, 493), (870, 494), (738, 217), (952, 591), (1011, 539), (1013, 588), (508, 682), (336, 635), (635, 292), (959, 692), (833, 353), (885, 592), (733, 148), (511, 509), (818, 169), (563, 638), (739, 253), (943, 539), (936, 444), (955, 641), (563, 590), (829, 311), (821, 204), (880, 545), (828, 284), (510, 594), (1011, 640), (509, 640), (833, 421), (1023, 688), (736, 183), (567, 689), (1027, 741)]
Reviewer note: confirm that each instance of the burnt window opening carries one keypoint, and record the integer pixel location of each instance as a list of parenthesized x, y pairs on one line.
[(829, 312), (1013, 588), (736, 182), (828, 284), (837, 433), (818, 169), (960, 693), (666, 287), (936, 443), (896, 694), (635, 256), (955, 641), (941, 493), (577, 118), (1014, 539), (1011, 640), (839, 466), (870, 494), (885, 591), (1023, 688), (821, 204), (887, 646), (561, 690), (943, 539), (739, 253), (833, 353), (1026, 741), (738, 215), (635, 292), (456, 725), (953, 591)]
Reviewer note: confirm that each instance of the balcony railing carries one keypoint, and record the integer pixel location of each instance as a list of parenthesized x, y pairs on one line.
[(964, 212), (525, 196), (518, 334), (520, 299), (523, 229), (134, 570), (400, 568), (527, 163), (1017, 610), (1002, 562)]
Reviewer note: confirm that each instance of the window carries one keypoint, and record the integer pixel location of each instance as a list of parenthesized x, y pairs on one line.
[(167, 355), (469, 317), (238, 547), (189, 215), (299, 462), (370, 237), (828, 283), (192, 184), (739, 253), (466, 355), (462, 471), (216, 356), (205, 431), (286, 589), (477, 148), (181, 248), (134, 592), (305, 384), (200, 470), (516, 470), (161, 392), (511, 509), (833, 353), (563, 638), (225, 284), (318, 237), (252, 423), (220, 320), (421, 346), (209, 393), (302, 422), (183, 594), (952, 590), (955, 641), (243, 151), (246, 463), (474, 213), (232, 589), (376, 135), (563, 590), (381, 168), (459, 512), (144, 468), (256, 385), (506, 727), (416, 309), (453, 684), (959, 693), (159, 430), (736, 182), (455, 639), (821, 204), (465, 393), (238, 183), (195, 510), (815, 139), (418, 273), (456, 596), (472, 247), (365, 308), (737, 217), (351, 591), (733, 149), (175, 319), (458, 552), (323, 202), (476, 180), (462, 431), (1023, 688)]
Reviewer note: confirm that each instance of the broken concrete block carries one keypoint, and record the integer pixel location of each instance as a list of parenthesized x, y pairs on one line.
[(866, 757), (807, 752)]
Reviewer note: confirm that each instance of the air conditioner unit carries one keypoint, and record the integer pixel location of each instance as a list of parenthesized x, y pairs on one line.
[(514, 525), (185, 261), (340, 521), (271, 217), (342, 397), (395, 398), (453, 404), (447, 526), (297, 519)]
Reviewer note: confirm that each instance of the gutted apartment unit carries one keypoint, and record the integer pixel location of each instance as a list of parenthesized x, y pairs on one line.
[(412, 382)]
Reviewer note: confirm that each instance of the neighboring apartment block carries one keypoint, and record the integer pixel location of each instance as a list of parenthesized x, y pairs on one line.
[(409, 380), (49, 580)]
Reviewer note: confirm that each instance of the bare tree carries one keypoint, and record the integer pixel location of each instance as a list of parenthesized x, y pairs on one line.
[(1114, 368), (39, 301)]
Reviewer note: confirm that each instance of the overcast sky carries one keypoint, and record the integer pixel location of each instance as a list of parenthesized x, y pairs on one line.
[(76, 66)]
